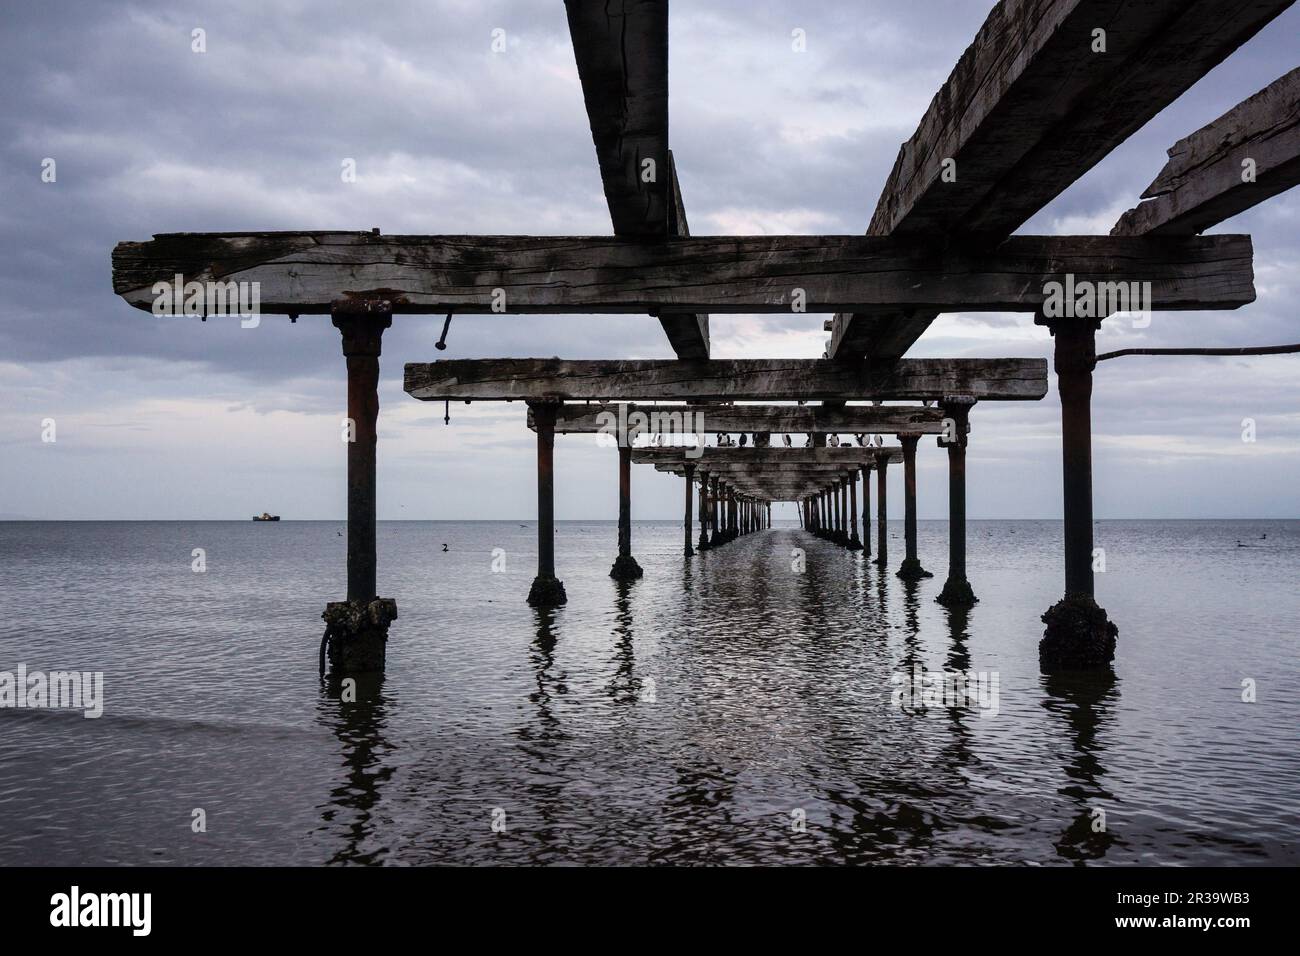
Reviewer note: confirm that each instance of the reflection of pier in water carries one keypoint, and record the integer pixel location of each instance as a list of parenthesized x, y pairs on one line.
[(359, 726)]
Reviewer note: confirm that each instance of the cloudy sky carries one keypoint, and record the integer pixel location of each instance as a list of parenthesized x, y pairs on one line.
[(172, 418)]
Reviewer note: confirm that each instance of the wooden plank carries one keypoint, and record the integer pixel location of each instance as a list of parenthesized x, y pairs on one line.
[(1016, 379), (1204, 181), (776, 419), (621, 48), (307, 272), (747, 458), (688, 332), (1028, 109)]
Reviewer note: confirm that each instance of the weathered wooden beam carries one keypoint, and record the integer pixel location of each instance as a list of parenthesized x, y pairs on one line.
[(621, 48), (1033, 104), (308, 272), (1245, 156), (775, 419), (714, 457), (1017, 379), (826, 471), (1030, 107), (688, 332)]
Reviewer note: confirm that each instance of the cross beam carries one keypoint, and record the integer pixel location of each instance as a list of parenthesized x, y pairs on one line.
[(493, 380), (1032, 105), (299, 272), (746, 458), (774, 419)]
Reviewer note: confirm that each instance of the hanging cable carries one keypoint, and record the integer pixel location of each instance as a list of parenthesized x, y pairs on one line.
[(1247, 350)]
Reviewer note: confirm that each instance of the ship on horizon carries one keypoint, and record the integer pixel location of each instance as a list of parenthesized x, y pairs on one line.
[(265, 516)]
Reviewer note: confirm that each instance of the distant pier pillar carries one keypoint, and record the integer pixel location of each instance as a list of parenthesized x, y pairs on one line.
[(1079, 635), (855, 543), (704, 512), (547, 589), (882, 524), (690, 500), (841, 512), (356, 630), (715, 508), (625, 566), (724, 514), (866, 509), (957, 591), (910, 569)]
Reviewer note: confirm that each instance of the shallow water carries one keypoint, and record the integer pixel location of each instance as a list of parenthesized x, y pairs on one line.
[(725, 709)]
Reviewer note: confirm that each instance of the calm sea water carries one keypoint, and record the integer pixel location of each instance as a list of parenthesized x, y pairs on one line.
[(697, 716)]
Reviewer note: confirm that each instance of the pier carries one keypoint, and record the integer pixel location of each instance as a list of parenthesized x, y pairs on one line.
[(1029, 109)]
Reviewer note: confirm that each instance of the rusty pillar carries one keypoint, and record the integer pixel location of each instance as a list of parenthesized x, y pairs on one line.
[(855, 543), (1079, 635), (625, 566), (547, 590), (724, 513), (703, 544), (957, 591), (911, 568), (357, 629), (688, 550), (715, 508), (842, 498), (882, 524), (843, 485), (866, 509)]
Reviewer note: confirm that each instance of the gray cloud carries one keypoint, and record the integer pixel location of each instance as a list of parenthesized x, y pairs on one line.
[(448, 137)]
